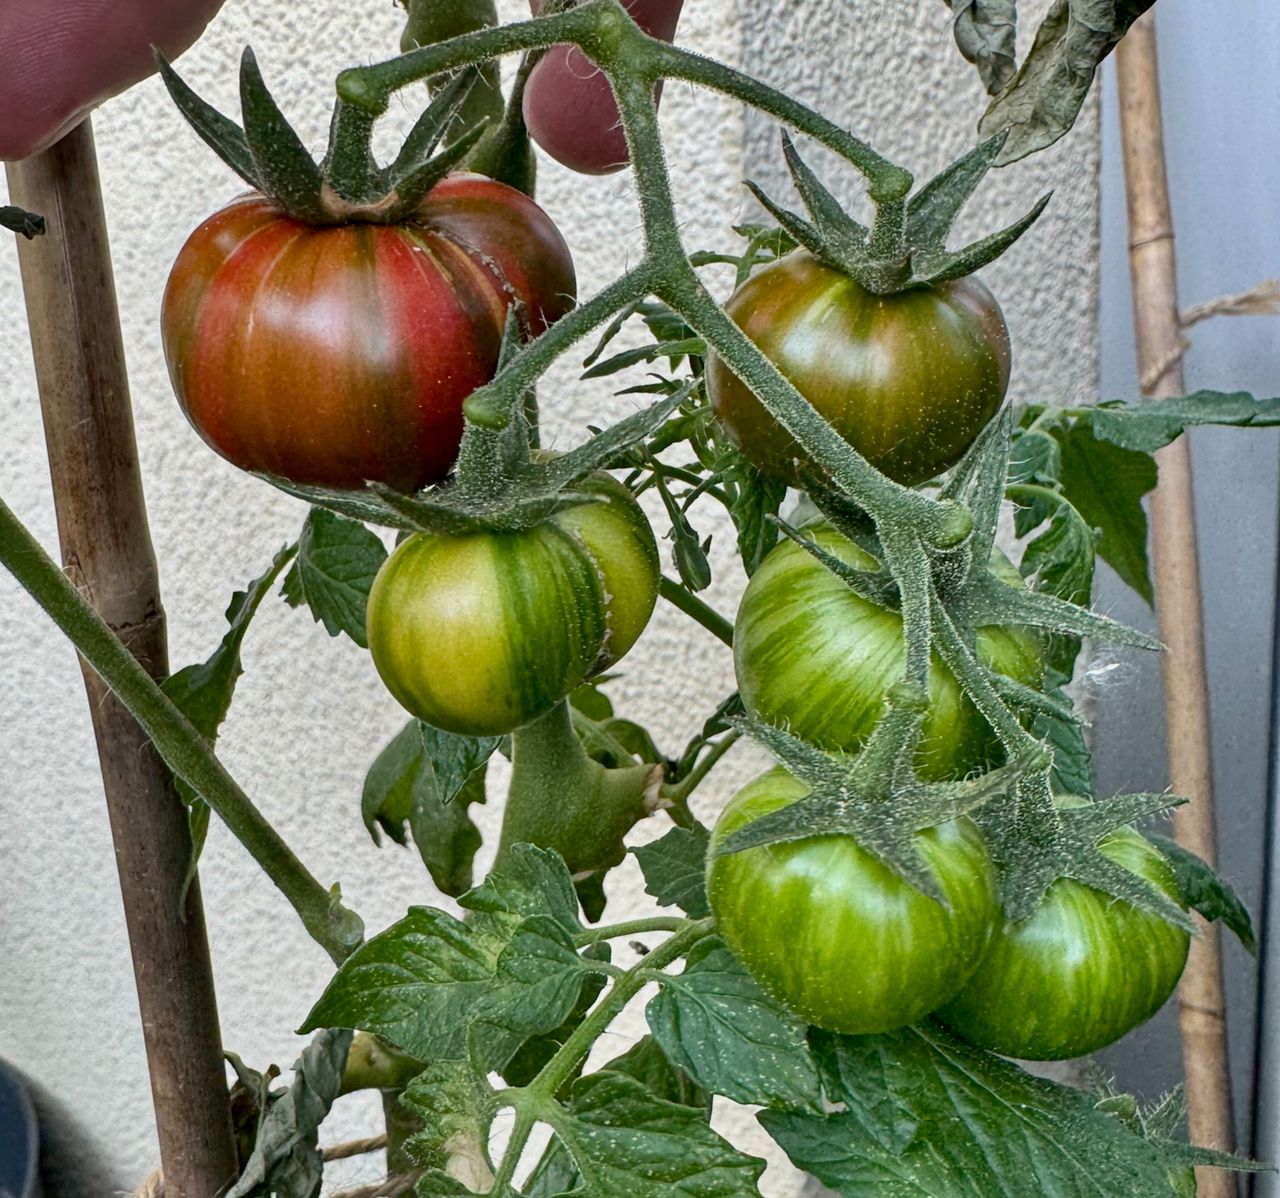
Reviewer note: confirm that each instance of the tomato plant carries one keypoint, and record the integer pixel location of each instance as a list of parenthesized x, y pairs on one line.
[(832, 932), (373, 339), (1079, 973), (811, 654), (341, 354), (481, 633), (909, 379)]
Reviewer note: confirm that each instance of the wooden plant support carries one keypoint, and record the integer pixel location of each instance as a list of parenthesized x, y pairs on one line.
[(1201, 1007), (106, 550)]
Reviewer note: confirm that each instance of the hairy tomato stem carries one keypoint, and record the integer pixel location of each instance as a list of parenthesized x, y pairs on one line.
[(336, 929)]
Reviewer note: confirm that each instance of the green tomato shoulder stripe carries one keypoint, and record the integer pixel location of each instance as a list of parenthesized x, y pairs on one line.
[(480, 634)]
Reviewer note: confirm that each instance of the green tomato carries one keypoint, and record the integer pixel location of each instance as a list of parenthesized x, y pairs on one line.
[(909, 380), (483, 633), (1078, 974), (834, 934), (812, 656)]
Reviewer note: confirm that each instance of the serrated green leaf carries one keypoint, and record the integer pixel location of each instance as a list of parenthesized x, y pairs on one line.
[(715, 1023), (333, 574), (286, 1160), (439, 988), (420, 984), (624, 1141), (675, 870), (754, 498), (556, 1174), (930, 1117), (1105, 484), (536, 987), (536, 1051), (1152, 424), (1203, 888), (531, 881)]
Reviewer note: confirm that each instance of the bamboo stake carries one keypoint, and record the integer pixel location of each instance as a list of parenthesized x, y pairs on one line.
[(1201, 1007), (106, 549)]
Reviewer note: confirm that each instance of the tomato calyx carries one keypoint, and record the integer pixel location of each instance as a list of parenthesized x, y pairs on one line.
[(875, 797), (905, 246), (1033, 856), (946, 592), (347, 186)]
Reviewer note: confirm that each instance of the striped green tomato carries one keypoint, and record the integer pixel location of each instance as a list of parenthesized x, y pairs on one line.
[(834, 934), (1079, 973), (818, 659), (483, 633)]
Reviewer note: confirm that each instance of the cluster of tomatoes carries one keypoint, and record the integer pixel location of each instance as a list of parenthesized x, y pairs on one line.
[(338, 355)]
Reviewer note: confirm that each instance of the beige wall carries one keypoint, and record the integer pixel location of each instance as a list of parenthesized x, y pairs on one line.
[(310, 714)]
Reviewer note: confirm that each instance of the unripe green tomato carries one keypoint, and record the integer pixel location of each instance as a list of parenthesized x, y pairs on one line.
[(1079, 973), (834, 934), (483, 633), (909, 380), (814, 657)]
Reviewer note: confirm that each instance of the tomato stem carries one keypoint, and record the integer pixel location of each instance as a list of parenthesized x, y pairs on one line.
[(563, 800), (695, 608), (185, 751)]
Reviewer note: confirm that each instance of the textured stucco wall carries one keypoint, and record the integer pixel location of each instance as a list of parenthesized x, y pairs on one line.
[(310, 714)]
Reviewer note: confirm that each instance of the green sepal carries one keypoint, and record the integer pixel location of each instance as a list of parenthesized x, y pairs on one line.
[(933, 209), (876, 586), (907, 245), (944, 267), (1031, 853), (418, 167), (874, 798), (221, 134), (286, 170)]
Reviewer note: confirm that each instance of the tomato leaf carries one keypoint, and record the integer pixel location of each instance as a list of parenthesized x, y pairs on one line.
[(455, 1105), (715, 1023), (986, 34), (439, 987), (675, 870), (753, 499), (1151, 424), (203, 692), (427, 779), (532, 881), (555, 1175), (624, 1140), (925, 1113), (1105, 484), (536, 1051), (1060, 560), (337, 562), (1203, 888), (286, 1161), (1043, 100), (537, 986)]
